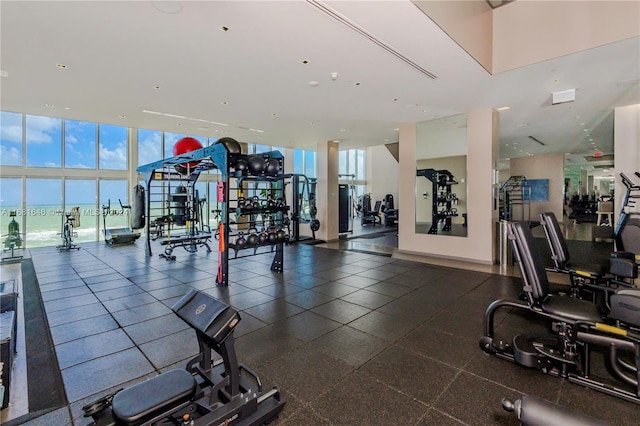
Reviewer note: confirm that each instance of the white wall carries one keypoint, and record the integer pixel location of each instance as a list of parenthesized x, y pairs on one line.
[(382, 174), (478, 246), (549, 166)]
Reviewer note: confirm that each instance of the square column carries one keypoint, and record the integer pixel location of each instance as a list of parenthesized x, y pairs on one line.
[(327, 190)]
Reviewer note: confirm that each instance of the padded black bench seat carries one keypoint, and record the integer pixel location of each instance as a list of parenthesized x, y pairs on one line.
[(144, 401)]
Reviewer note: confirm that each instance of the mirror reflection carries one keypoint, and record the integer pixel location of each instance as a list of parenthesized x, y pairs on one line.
[(441, 177)]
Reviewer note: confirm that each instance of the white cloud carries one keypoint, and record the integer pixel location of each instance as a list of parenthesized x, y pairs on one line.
[(79, 166), (40, 129), (11, 134), (150, 150), (10, 156), (51, 164), (114, 159), (70, 138)]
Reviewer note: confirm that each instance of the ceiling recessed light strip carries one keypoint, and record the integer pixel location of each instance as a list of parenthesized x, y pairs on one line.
[(537, 140), (353, 26), (166, 114)]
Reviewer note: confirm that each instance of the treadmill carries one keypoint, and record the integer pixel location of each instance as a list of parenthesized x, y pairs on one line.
[(113, 236)]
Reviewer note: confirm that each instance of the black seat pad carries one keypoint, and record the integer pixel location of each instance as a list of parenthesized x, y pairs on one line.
[(571, 308), (150, 398)]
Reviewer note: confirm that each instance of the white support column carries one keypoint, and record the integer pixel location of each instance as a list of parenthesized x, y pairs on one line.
[(626, 142), (327, 191)]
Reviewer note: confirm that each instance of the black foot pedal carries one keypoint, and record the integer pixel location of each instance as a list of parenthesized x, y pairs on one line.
[(526, 353)]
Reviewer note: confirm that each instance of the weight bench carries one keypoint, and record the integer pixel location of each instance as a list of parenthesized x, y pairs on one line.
[(151, 399), (189, 242)]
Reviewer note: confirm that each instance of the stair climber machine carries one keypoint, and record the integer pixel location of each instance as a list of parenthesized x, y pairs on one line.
[(207, 392)]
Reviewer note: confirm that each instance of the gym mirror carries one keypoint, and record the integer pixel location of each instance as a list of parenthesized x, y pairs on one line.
[(441, 176)]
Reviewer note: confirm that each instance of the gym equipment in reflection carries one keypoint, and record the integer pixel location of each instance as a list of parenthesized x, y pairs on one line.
[(369, 215), (126, 235), (443, 198), (515, 196), (70, 220), (534, 411), (577, 328), (343, 209), (257, 208), (12, 240), (389, 211), (207, 392), (303, 205), (627, 233)]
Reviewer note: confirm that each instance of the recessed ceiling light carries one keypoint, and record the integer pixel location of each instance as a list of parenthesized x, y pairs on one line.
[(49, 105), (343, 130), (122, 116), (506, 144), (224, 103), (577, 116), (357, 83), (305, 62), (167, 6), (557, 80), (156, 87), (313, 123), (386, 140), (395, 99), (591, 140), (178, 124), (582, 124), (585, 130), (223, 28), (67, 108), (61, 66), (274, 113), (397, 129), (522, 125), (313, 83), (504, 108)]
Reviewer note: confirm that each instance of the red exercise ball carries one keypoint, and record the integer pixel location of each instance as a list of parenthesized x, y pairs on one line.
[(183, 146)]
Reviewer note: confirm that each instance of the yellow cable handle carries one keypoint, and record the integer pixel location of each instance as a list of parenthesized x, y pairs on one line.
[(583, 274), (611, 329)]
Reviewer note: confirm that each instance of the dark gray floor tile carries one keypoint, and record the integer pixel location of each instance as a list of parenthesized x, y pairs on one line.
[(61, 285), (434, 417), (307, 281), (384, 326), (335, 289), (307, 373), (390, 289), (64, 293), (527, 381), (110, 285), (308, 299), (341, 311), (141, 313), (306, 326), (358, 281), (377, 274), (171, 349), (402, 369), (613, 410), (169, 292), (476, 401), (248, 299), (90, 347), (82, 328), (58, 278), (128, 302), (280, 289), (145, 278), (412, 310), (118, 293), (248, 324), (265, 345), (155, 328), (112, 276), (368, 299), (377, 404), (350, 345), (93, 376), (449, 348), (158, 284), (274, 311), (75, 314)]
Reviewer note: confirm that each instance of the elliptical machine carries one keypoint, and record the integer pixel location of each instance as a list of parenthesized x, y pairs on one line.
[(206, 392), (70, 220)]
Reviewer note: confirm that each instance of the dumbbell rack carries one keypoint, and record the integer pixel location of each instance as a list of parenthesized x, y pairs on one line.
[(443, 198), (216, 156)]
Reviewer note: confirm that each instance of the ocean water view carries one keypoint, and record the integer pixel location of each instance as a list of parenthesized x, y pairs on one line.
[(41, 225)]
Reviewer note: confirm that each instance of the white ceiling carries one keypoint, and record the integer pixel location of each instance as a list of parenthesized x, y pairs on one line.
[(253, 77)]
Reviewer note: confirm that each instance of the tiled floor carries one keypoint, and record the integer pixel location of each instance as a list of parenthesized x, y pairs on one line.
[(350, 338)]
